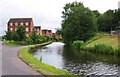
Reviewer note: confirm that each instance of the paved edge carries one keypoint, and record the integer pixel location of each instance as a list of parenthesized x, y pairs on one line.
[(26, 62)]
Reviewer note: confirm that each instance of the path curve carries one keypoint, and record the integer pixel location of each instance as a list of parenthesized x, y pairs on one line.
[(12, 65)]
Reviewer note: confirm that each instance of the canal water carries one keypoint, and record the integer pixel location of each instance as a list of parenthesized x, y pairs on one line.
[(79, 62)]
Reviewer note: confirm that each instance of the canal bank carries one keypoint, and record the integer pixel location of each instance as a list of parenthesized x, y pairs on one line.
[(39, 66), (80, 63)]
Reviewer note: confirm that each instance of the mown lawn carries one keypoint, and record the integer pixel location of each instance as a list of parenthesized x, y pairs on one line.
[(110, 40)]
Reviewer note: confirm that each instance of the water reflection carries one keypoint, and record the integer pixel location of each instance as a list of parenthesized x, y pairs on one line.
[(78, 62)]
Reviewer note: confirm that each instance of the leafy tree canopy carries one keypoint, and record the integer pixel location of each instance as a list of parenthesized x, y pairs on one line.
[(79, 22)]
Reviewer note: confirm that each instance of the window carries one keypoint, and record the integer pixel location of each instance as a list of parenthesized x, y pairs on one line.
[(37, 29), (11, 24), (11, 29), (26, 29), (26, 23), (16, 24), (21, 23)]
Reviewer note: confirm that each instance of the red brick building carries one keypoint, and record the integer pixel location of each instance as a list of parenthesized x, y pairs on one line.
[(57, 36), (47, 32), (38, 30), (13, 23)]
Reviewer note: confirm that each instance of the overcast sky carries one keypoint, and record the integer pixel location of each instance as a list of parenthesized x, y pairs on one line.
[(45, 13)]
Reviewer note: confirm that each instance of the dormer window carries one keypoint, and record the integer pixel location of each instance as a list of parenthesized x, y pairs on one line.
[(11, 24), (16, 24), (21, 23), (26, 23)]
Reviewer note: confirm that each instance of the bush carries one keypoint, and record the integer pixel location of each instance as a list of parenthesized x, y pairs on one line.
[(29, 41), (101, 48), (15, 36), (78, 44), (117, 52)]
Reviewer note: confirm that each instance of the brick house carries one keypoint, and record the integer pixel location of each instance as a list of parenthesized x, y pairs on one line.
[(28, 24), (45, 32), (38, 30), (49, 32), (57, 36)]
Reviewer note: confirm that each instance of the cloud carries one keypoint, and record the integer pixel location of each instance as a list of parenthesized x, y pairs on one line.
[(46, 13)]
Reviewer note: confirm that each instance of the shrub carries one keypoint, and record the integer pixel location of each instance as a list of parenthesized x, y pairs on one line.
[(14, 36), (117, 52), (101, 48), (29, 41), (78, 44)]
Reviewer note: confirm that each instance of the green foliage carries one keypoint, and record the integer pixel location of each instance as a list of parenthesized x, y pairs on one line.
[(97, 14), (117, 52), (79, 22), (15, 36), (15, 43), (36, 39), (108, 20), (18, 35), (59, 31), (101, 48), (78, 44), (21, 33), (29, 41), (8, 35)]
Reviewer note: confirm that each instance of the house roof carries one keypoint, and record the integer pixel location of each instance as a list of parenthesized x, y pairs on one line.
[(49, 30), (20, 20), (37, 26), (45, 30)]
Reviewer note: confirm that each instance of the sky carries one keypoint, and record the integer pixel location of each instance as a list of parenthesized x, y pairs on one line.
[(45, 13)]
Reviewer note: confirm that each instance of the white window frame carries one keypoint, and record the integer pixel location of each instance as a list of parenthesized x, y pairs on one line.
[(27, 29), (38, 29), (11, 24), (21, 23), (26, 23), (16, 24)]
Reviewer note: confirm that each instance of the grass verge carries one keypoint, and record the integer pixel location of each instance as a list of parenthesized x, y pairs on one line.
[(14, 43), (106, 44), (107, 40), (41, 67)]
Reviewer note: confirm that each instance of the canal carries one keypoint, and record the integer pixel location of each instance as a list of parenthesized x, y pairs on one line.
[(78, 62)]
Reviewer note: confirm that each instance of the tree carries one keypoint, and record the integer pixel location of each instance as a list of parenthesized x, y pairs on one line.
[(59, 31), (8, 35), (97, 13), (108, 21), (79, 22), (15, 36), (21, 33)]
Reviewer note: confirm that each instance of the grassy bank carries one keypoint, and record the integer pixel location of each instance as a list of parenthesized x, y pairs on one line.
[(14, 43), (106, 44), (41, 67), (110, 40)]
